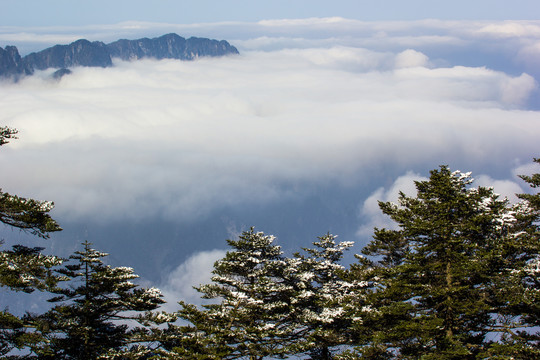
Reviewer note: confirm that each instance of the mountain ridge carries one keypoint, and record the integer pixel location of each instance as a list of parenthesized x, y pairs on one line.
[(83, 52)]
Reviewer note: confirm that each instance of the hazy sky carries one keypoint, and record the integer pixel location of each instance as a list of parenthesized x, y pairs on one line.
[(68, 12), (322, 114)]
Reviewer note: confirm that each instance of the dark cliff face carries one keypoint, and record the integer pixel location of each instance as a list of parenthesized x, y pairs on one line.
[(97, 54), (165, 47), (199, 47), (78, 53), (58, 74), (11, 63), (170, 46)]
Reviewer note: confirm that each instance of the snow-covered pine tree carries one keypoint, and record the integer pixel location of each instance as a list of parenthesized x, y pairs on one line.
[(326, 304), (440, 273), (532, 199), (92, 308), (26, 214), (519, 294), (23, 269), (531, 279), (251, 318)]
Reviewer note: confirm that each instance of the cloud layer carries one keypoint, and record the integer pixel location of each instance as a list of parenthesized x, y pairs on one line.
[(177, 139), (314, 113), (194, 271)]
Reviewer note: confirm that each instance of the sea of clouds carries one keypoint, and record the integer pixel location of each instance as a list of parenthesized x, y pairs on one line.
[(346, 111)]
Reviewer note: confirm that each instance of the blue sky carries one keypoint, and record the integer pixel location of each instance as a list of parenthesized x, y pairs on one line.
[(69, 12)]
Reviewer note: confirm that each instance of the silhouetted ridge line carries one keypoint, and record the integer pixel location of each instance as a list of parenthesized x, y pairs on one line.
[(170, 46), (98, 54)]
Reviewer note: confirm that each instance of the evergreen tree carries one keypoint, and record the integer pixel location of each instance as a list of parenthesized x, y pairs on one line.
[(531, 278), (251, 319), (23, 269), (89, 320), (26, 214), (325, 300), (520, 319), (533, 199), (439, 276), (272, 306)]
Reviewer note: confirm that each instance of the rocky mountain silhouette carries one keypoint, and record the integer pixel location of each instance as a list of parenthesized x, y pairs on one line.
[(98, 54), (79, 53), (11, 63), (170, 46)]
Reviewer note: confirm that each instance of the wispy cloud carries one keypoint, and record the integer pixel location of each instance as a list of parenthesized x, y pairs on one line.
[(371, 216), (193, 272), (370, 213)]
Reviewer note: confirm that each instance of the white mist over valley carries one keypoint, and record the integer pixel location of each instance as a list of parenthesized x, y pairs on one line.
[(158, 162)]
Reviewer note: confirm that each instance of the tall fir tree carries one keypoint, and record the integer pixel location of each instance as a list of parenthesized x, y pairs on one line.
[(440, 274), (272, 306), (327, 302), (89, 319), (22, 268), (520, 291), (250, 315), (531, 280)]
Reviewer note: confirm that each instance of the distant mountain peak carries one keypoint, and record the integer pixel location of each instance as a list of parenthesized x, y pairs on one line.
[(79, 53), (11, 63), (169, 46), (98, 54)]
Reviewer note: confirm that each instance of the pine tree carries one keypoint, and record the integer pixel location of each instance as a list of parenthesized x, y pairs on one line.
[(325, 300), (26, 214), (520, 337), (272, 306), (531, 271), (251, 319), (439, 275), (89, 320), (532, 199), (23, 269)]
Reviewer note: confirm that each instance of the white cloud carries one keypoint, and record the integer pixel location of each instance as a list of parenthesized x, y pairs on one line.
[(371, 216), (370, 213), (512, 29), (529, 168), (176, 139), (179, 139), (195, 271), (516, 90), (36, 38), (410, 58), (505, 188)]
